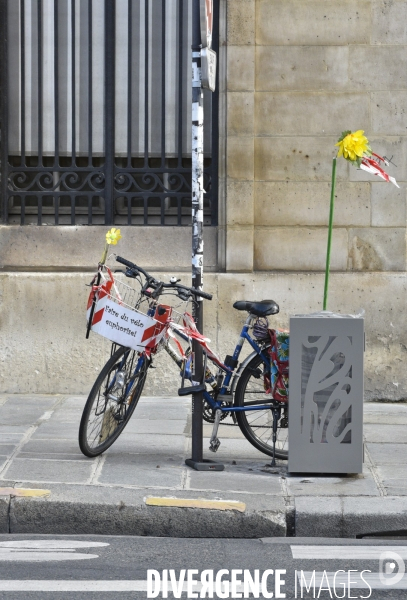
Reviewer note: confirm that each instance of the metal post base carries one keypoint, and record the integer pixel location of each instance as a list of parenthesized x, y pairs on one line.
[(205, 465)]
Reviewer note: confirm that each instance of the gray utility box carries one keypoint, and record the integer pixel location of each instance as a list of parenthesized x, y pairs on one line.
[(325, 420)]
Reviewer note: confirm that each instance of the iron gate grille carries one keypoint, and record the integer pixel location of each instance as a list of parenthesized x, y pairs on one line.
[(96, 112)]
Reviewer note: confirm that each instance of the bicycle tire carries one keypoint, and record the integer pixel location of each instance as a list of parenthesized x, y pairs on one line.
[(256, 425), (104, 418)]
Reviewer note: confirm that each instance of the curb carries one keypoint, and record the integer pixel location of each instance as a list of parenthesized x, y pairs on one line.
[(348, 516), (74, 510)]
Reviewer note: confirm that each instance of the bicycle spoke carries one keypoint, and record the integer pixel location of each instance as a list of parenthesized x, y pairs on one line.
[(257, 425), (112, 402)]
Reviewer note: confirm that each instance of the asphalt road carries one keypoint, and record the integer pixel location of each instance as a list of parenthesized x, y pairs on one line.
[(107, 567)]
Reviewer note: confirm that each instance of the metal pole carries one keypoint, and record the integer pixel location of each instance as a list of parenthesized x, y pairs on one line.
[(197, 462), (110, 32), (4, 111), (197, 223)]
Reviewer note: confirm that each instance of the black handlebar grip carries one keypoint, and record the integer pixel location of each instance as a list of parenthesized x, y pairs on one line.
[(123, 261), (203, 295)]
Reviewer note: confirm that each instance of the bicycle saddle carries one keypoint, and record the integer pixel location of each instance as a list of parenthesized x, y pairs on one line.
[(260, 309)]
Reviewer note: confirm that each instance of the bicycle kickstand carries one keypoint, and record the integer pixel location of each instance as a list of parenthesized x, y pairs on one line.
[(276, 416), (214, 441)]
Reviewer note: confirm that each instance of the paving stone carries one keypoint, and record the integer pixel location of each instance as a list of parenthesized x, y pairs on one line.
[(52, 446), (142, 471), (32, 399), (398, 416), (68, 471), (23, 415), (51, 456), (395, 488), (12, 429), (147, 444), (57, 430), (225, 481), (388, 454), (361, 485), (389, 434), (66, 416), (14, 438), (7, 449), (155, 413), (2, 460), (154, 426), (394, 472)]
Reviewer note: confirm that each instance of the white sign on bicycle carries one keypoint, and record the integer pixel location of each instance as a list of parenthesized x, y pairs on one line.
[(123, 325)]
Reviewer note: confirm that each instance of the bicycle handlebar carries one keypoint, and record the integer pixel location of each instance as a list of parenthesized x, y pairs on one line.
[(131, 265), (160, 285)]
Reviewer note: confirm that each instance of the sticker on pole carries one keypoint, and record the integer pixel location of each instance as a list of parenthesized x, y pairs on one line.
[(206, 8), (120, 323)]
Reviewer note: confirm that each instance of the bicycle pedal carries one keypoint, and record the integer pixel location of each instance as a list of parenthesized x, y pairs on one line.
[(214, 445)]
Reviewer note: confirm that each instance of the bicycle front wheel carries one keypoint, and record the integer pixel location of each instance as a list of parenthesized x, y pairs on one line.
[(112, 400), (257, 425)]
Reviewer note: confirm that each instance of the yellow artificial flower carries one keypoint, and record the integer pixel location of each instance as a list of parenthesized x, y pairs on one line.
[(113, 236), (353, 146)]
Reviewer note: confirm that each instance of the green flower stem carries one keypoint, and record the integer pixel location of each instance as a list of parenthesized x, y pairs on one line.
[(331, 218), (104, 255)]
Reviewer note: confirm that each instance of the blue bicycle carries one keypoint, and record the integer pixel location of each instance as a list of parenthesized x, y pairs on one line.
[(241, 391)]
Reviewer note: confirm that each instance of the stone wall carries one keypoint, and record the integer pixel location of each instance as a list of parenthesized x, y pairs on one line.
[(300, 73), (42, 323)]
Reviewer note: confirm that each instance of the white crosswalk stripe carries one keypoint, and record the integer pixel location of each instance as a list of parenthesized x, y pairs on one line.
[(359, 577), (46, 550), (345, 552)]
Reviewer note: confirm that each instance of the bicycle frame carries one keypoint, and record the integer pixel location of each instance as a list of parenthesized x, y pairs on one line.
[(231, 376)]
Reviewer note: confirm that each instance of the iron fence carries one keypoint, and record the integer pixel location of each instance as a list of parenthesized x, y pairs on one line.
[(96, 112)]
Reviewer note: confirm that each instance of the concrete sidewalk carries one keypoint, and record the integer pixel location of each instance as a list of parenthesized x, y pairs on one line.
[(109, 494)]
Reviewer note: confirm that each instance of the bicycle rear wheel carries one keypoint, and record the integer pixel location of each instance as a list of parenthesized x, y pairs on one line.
[(257, 425), (112, 400)]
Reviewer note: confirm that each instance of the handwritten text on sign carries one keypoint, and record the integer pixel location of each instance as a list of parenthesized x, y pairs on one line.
[(121, 324)]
